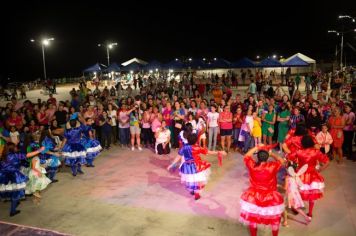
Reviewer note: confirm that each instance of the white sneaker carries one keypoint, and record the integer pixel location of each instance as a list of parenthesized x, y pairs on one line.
[(139, 148), (132, 148)]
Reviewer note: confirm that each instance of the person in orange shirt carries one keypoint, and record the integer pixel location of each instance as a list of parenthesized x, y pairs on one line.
[(217, 94)]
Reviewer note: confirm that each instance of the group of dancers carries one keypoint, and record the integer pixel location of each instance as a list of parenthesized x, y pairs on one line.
[(261, 203), (31, 171)]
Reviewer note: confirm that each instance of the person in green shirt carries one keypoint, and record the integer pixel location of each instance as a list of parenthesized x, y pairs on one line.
[(268, 119), (283, 126)]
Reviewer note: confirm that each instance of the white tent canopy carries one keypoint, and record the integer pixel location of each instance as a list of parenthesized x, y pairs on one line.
[(139, 61), (303, 57)]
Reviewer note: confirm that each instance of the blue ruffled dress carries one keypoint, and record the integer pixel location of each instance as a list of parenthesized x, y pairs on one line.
[(12, 180), (73, 151), (92, 146), (51, 160), (193, 178)]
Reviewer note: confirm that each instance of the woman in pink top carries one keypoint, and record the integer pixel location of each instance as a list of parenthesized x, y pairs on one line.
[(225, 122), (42, 117)]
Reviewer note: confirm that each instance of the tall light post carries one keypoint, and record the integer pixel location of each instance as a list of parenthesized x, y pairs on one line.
[(108, 47), (342, 32), (44, 43)]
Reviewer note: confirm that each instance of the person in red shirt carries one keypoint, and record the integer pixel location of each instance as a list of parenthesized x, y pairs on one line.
[(42, 117), (225, 123), (261, 203), (15, 120), (52, 100), (237, 122)]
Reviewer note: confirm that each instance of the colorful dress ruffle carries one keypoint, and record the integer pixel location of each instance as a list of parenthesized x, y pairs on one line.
[(73, 151), (92, 146), (12, 180), (313, 183), (194, 172), (261, 203), (36, 183)]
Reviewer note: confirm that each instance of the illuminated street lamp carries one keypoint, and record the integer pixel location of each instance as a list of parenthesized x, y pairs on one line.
[(274, 56), (108, 47), (44, 43), (342, 35)]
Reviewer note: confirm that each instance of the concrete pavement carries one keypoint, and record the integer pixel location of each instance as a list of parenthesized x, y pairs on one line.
[(131, 193)]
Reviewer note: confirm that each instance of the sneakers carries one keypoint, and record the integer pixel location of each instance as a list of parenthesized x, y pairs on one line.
[(132, 148), (196, 196), (139, 148)]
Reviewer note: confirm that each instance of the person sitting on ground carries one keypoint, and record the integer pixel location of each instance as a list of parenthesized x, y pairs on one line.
[(163, 136)]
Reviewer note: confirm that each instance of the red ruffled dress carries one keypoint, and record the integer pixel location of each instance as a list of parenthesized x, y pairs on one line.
[(313, 182), (294, 143), (261, 203)]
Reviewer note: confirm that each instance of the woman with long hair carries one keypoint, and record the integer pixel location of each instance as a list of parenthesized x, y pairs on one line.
[(268, 121), (178, 119), (283, 126), (337, 123)]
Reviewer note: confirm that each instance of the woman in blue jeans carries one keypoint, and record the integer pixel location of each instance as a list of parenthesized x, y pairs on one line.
[(213, 127), (124, 126)]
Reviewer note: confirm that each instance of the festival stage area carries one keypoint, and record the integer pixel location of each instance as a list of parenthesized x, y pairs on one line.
[(132, 193)]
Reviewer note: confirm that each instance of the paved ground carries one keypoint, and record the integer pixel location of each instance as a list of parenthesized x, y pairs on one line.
[(131, 193)]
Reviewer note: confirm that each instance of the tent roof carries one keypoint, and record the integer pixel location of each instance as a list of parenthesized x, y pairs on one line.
[(269, 62), (303, 57), (196, 64), (113, 67), (94, 68), (153, 65), (134, 66), (174, 65), (295, 62), (243, 63), (219, 63), (139, 61)]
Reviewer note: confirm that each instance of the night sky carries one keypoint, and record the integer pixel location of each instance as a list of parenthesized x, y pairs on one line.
[(163, 32)]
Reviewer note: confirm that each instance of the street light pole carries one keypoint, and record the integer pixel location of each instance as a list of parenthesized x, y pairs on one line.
[(108, 47), (108, 54), (44, 43), (342, 49), (44, 61)]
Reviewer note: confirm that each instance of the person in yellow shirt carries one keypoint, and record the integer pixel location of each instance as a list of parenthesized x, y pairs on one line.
[(257, 128)]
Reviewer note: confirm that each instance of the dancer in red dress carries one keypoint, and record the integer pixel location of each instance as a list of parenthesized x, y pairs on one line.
[(293, 140), (313, 183), (261, 203)]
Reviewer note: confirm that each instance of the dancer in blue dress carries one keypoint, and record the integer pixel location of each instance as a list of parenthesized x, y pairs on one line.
[(91, 144), (194, 171), (72, 150), (51, 155), (12, 180)]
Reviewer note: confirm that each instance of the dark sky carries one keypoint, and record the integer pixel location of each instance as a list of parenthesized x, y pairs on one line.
[(163, 31)]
